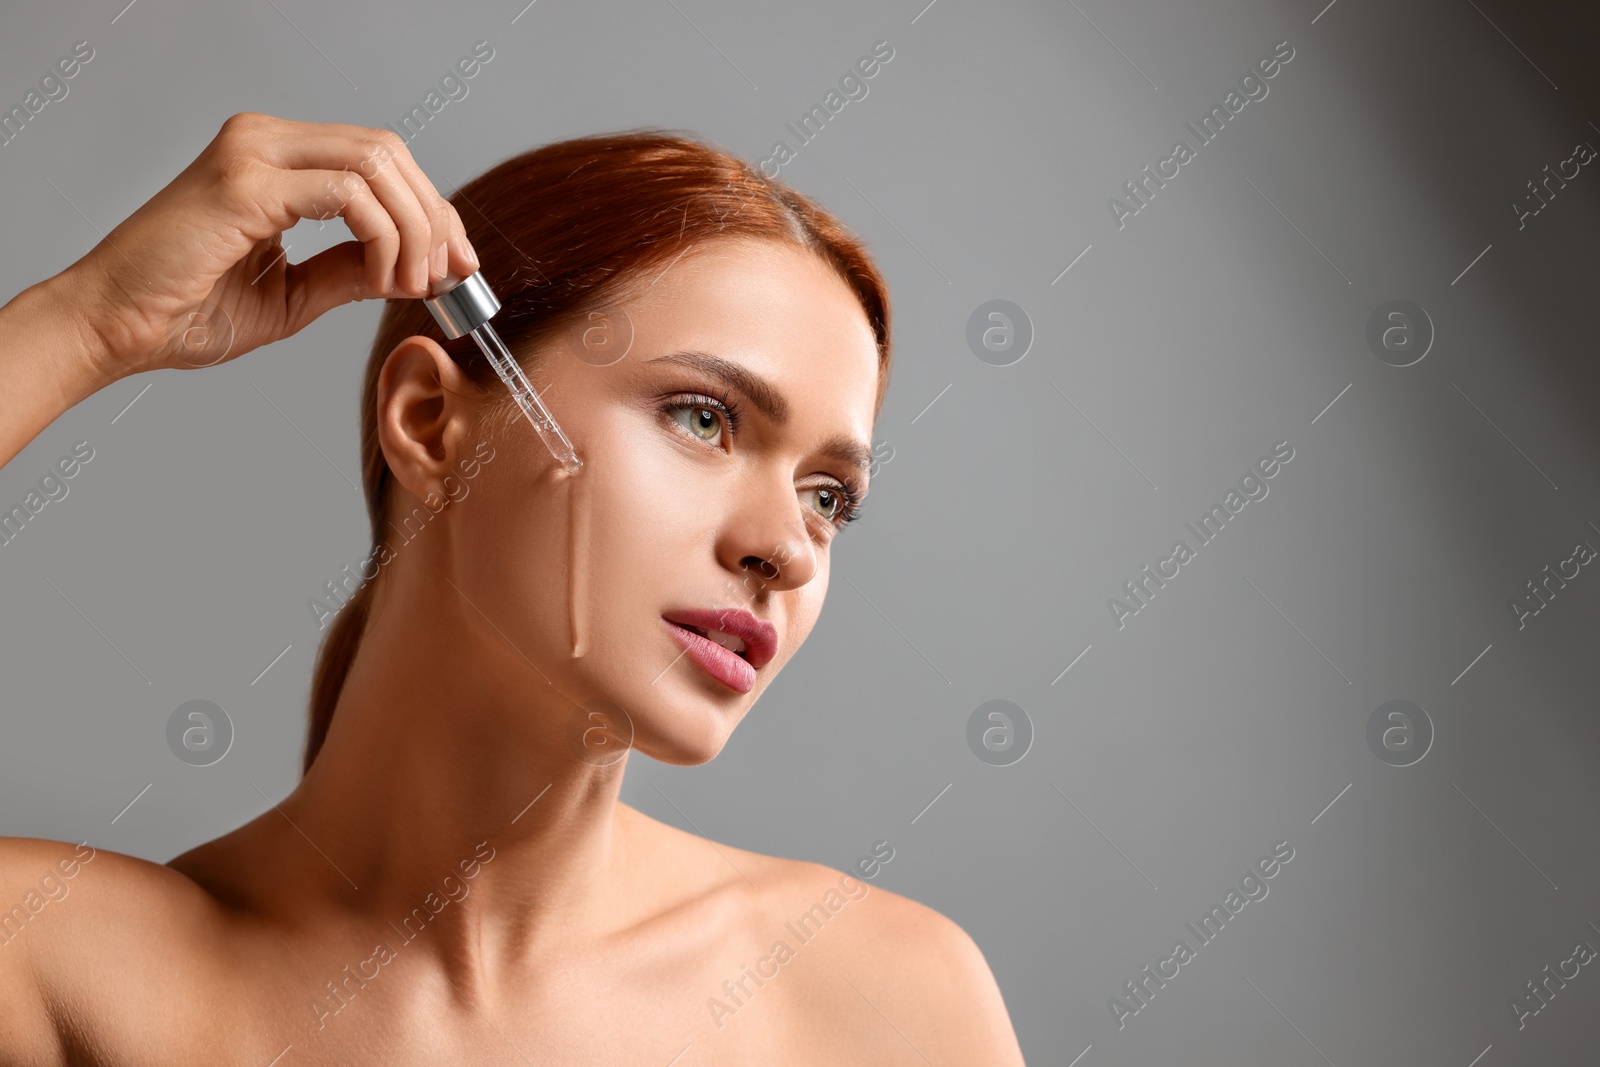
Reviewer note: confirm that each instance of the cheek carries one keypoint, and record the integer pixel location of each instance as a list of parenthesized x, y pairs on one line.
[(516, 541), (638, 480), (807, 606), (651, 517)]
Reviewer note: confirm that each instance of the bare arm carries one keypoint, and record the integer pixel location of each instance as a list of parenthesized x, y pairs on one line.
[(197, 275), (49, 361), (35, 877)]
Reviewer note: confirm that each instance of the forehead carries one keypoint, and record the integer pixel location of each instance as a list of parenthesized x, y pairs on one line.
[(778, 310)]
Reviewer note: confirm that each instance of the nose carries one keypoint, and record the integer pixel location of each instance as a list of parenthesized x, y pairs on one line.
[(766, 543)]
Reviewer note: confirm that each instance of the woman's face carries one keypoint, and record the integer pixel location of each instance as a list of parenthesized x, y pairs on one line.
[(684, 509)]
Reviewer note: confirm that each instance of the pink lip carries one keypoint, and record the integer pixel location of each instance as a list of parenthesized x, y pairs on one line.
[(760, 638), (723, 664), (737, 672)]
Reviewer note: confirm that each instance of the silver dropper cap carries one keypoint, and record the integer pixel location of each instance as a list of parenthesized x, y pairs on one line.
[(461, 305)]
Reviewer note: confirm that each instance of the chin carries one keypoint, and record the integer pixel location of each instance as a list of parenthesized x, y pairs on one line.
[(685, 734), (682, 751)]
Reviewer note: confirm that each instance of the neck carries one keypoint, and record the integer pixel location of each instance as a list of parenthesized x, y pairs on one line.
[(448, 746)]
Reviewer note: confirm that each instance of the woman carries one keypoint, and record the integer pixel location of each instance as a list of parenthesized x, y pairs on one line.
[(454, 878)]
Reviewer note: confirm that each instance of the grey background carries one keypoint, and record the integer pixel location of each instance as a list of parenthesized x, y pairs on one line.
[(1227, 716)]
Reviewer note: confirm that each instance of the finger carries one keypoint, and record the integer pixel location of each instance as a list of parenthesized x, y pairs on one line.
[(463, 257), (328, 279), (286, 196), (382, 158), (448, 231), (405, 167), (394, 193)]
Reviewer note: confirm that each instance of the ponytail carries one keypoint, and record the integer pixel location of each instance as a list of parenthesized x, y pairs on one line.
[(333, 664)]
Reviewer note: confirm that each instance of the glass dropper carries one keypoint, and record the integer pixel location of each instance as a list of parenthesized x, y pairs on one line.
[(463, 307)]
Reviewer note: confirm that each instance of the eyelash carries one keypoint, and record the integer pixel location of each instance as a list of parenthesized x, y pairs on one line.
[(731, 412)]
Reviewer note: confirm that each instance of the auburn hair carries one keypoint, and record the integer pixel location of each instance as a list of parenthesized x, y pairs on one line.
[(565, 230)]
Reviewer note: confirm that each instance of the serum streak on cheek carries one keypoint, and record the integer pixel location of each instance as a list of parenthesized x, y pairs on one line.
[(578, 557)]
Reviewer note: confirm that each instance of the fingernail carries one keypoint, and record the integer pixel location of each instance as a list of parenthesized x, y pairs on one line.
[(464, 249), (441, 260)]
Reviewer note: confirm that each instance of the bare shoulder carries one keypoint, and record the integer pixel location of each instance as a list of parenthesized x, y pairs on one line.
[(891, 979), (37, 874), (69, 915), (901, 965), (64, 902)]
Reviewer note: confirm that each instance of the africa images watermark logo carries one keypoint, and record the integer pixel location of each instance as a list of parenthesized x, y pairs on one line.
[(852, 86), (738, 991), (1252, 486), (344, 987), (52, 487), (1141, 990), (52, 87), (1252, 86), (411, 527)]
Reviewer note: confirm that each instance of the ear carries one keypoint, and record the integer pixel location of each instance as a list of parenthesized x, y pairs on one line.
[(425, 413)]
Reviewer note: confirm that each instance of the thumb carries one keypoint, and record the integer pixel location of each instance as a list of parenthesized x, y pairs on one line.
[(325, 281)]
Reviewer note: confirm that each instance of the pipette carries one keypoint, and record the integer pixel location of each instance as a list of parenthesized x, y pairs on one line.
[(463, 306)]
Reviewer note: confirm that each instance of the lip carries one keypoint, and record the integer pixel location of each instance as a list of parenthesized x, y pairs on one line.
[(760, 638), (729, 667)]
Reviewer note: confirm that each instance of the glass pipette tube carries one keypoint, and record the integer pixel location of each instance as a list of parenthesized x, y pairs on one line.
[(462, 307), (527, 398)]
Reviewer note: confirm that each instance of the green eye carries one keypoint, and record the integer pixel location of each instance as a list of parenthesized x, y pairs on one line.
[(703, 416), (839, 505), (829, 501), (703, 422)]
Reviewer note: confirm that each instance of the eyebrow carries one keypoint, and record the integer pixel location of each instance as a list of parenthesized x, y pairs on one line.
[(767, 400)]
